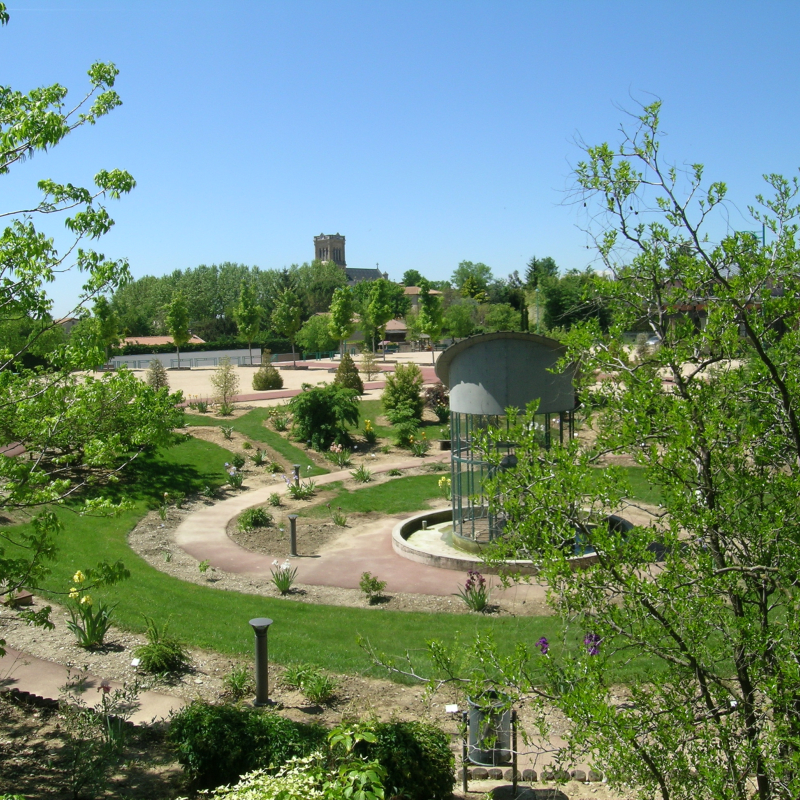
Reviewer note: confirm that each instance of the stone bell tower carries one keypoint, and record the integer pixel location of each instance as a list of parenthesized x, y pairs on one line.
[(330, 247)]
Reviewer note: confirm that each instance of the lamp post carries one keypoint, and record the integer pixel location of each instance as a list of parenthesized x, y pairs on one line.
[(260, 627)]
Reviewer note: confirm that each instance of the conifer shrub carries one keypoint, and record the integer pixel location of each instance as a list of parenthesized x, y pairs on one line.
[(266, 378), (156, 376), (347, 375)]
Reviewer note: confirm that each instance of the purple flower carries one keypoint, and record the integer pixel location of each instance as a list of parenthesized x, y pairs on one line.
[(592, 642), (543, 645)]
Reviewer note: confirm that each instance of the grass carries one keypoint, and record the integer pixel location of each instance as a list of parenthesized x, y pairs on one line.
[(207, 618), (641, 489), (252, 426), (410, 493), (372, 409)]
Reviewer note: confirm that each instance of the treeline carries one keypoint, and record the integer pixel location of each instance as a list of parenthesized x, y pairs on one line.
[(212, 293)]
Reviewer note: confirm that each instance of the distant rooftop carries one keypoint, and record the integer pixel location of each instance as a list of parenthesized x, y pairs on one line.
[(415, 290), (158, 340)]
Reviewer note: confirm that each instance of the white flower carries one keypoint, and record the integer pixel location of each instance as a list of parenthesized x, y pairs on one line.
[(275, 562)]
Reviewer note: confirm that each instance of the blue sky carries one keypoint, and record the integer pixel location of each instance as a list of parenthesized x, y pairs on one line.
[(426, 132)]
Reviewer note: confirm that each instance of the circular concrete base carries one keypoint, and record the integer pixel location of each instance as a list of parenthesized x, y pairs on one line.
[(433, 545)]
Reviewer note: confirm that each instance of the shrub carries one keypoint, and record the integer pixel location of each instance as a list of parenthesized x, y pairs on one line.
[(156, 375), (227, 432), (369, 365), (371, 587), (162, 653), (403, 391), (247, 446), (405, 425), (274, 467), (267, 378), (274, 499), (225, 409), (437, 398), (322, 414), (417, 758), (217, 744), (254, 518), (347, 376), (301, 491), (238, 460)]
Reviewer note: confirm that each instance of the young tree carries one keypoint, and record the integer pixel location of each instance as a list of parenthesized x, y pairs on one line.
[(156, 376), (322, 414), (315, 335), (377, 310), (177, 320), (226, 383), (369, 365), (502, 317), (341, 319), (75, 433), (287, 317), (347, 375), (248, 315), (705, 593), (430, 316)]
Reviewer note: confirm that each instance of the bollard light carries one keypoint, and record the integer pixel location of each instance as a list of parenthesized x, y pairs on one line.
[(292, 534), (260, 627), (296, 474)]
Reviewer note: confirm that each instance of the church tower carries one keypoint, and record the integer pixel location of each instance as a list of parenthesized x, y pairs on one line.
[(330, 247)]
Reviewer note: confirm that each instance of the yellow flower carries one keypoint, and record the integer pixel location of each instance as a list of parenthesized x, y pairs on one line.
[(86, 600), (78, 577), (73, 593)]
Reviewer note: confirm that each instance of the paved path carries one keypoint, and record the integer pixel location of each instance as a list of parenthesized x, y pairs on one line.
[(203, 535), (45, 679)]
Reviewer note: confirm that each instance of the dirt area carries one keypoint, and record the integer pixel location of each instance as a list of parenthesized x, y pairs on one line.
[(32, 740)]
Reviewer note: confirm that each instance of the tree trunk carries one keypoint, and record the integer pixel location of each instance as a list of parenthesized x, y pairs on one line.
[(294, 360), (179, 356), (250, 351)]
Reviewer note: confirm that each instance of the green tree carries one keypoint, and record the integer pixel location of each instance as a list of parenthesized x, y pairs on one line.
[(478, 276), (459, 319), (377, 310), (315, 335), (412, 277), (76, 433), (226, 385), (430, 316), (287, 318), (177, 320), (316, 282), (576, 297), (107, 324), (341, 316), (540, 271), (248, 315), (502, 317), (703, 590)]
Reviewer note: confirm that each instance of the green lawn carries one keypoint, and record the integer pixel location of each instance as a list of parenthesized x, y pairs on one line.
[(372, 409), (641, 488), (209, 618), (252, 425), (409, 493)]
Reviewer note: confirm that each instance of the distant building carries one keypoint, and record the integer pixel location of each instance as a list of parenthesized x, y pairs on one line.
[(413, 292), (67, 323), (330, 247), (154, 340)]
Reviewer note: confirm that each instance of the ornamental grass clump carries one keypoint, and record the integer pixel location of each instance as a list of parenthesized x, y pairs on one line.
[(254, 518), (162, 654), (283, 576), (361, 475), (475, 593)]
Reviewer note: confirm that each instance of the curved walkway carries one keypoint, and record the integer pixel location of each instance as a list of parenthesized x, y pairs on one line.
[(203, 535)]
